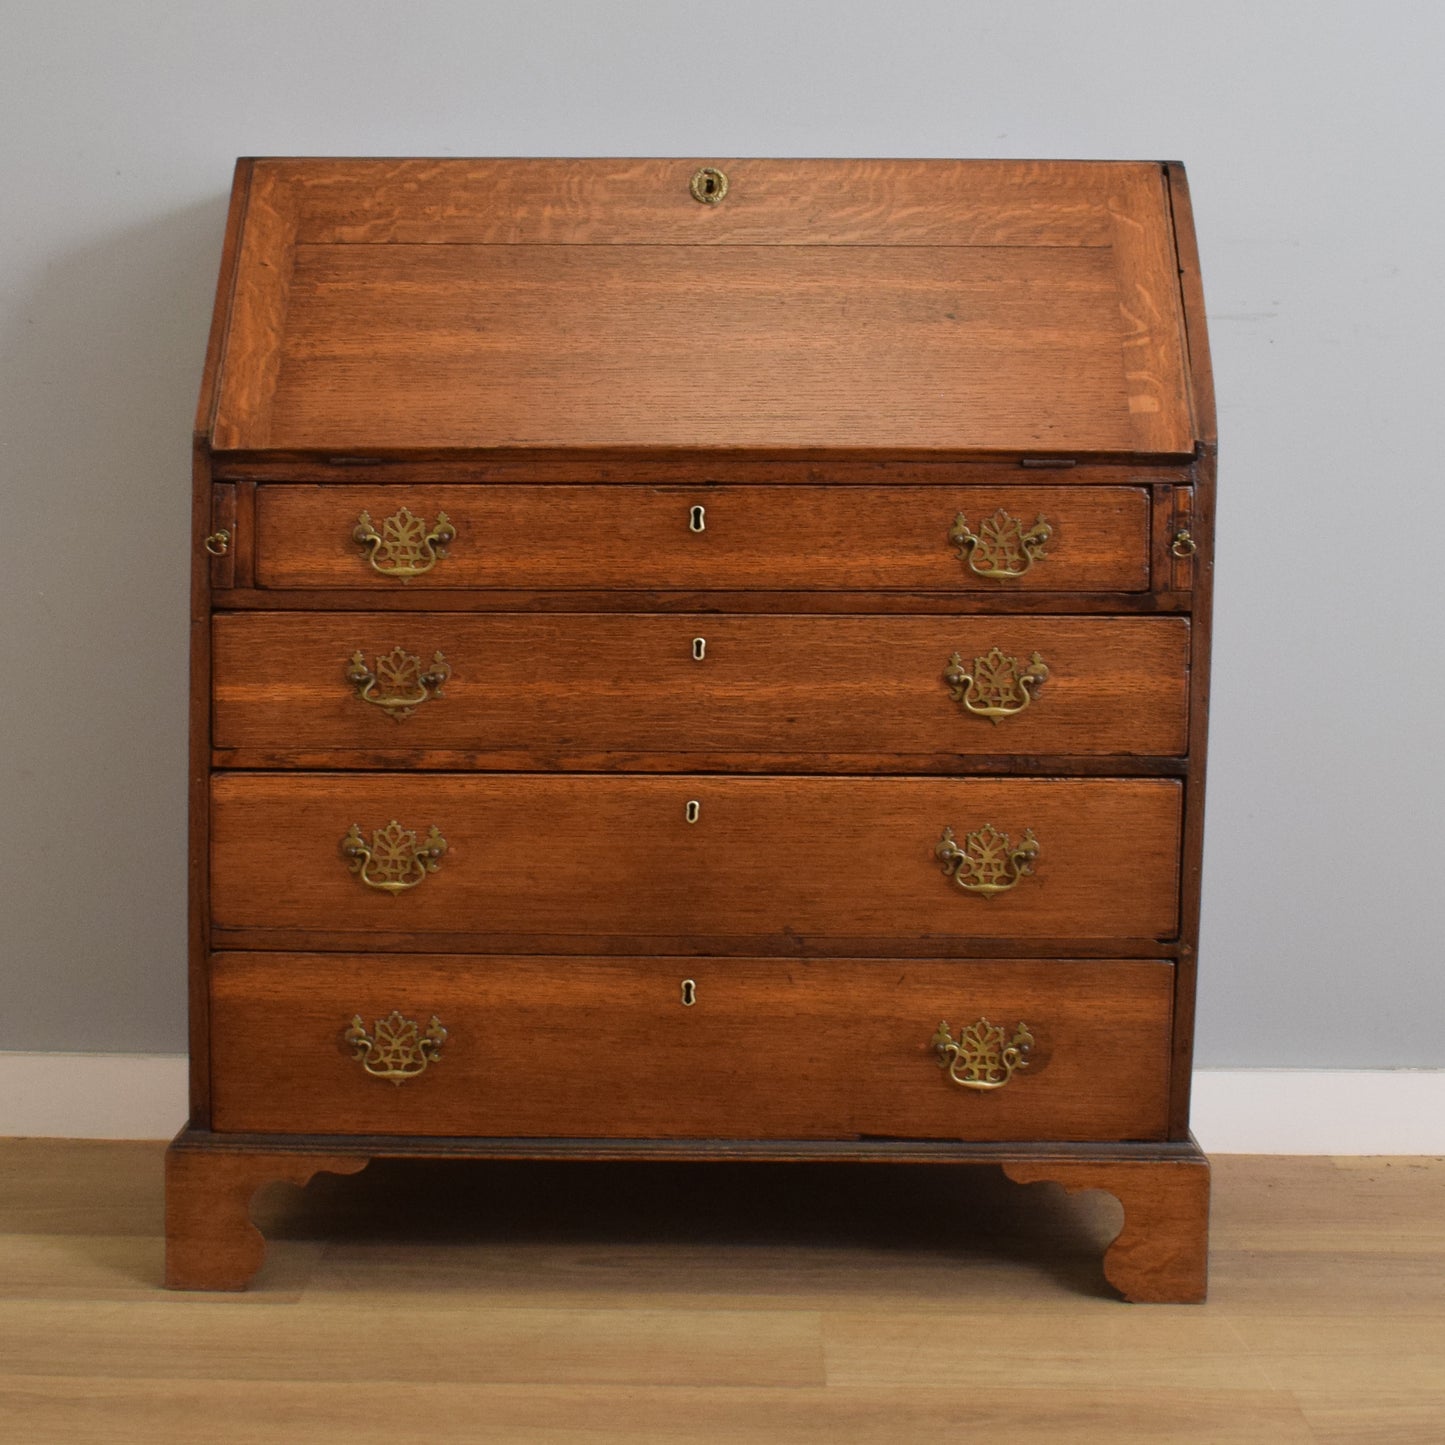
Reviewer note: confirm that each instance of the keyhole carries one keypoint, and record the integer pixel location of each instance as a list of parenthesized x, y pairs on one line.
[(694, 811), (699, 648), (697, 520), (689, 993), (709, 185)]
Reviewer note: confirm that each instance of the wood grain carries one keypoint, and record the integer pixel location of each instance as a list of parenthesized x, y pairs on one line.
[(568, 357), (536, 686), (211, 1242), (768, 858), (636, 537), (593, 304), (744, 347), (1161, 1256), (770, 1048)]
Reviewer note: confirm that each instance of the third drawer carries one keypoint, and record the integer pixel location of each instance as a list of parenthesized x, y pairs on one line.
[(536, 863)]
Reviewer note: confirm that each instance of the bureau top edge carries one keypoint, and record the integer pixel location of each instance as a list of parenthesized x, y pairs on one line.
[(925, 309)]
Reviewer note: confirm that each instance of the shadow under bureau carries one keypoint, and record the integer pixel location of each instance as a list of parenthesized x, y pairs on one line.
[(700, 660)]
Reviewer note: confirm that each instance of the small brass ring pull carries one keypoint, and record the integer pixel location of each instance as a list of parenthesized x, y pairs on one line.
[(398, 682), (394, 860), (982, 1057), (697, 519), (218, 543), (699, 648), (689, 993), (1183, 544), (987, 862), (1002, 548), (709, 185), (995, 685), (396, 1049), (405, 547)]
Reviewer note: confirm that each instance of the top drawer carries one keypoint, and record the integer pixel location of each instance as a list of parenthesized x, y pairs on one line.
[(954, 539)]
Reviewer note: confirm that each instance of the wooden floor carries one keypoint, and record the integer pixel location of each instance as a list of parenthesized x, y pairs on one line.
[(570, 1303)]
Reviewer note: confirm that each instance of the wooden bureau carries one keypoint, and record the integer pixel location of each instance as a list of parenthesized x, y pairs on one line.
[(700, 660)]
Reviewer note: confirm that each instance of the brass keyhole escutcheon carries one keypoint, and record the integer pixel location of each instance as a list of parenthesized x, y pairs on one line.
[(689, 993), (697, 520), (693, 811), (709, 185), (699, 648)]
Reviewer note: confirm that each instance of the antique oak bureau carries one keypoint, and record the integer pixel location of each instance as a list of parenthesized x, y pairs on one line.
[(700, 659)]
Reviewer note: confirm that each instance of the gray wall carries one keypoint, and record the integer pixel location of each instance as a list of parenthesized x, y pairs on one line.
[(1313, 136)]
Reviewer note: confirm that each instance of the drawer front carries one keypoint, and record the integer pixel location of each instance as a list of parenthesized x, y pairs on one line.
[(531, 859), (1052, 539), (546, 690), (770, 1048)]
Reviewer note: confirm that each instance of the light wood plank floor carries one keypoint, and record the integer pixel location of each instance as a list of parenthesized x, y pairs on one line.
[(714, 1303)]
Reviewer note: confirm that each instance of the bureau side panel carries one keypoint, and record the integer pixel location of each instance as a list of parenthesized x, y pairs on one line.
[(1201, 382), (203, 568)]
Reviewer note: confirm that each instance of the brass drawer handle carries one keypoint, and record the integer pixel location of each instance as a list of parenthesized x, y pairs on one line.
[(403, 681), (218, 543), (996, 686), (1001, 548), (987, 863), (393, 861), (397, 1050), (980, 1058), (404, 547), (1183, 544)]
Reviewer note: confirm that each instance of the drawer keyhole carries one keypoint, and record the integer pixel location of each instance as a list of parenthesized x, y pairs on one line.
[(689, 993), (694, 811), (699, 648), (697, 520)]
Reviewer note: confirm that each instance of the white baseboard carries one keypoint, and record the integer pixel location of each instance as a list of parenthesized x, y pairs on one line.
[(93, 1096), (1236, 1111)]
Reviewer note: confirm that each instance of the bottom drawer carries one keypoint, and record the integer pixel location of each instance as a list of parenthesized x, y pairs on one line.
[(611, 1048)]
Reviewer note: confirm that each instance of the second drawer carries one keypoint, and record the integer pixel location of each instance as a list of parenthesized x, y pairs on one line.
[(529, 690)]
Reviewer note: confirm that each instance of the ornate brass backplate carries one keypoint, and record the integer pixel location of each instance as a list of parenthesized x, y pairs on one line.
[(1001, 548), (396, 1049), (996, 686), (397, 682), (405, 547), (982, 1057), (987, 862), (394, 860)]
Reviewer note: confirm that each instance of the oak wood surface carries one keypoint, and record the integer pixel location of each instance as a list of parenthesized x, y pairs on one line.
[(681, 467), (569, 356), (211, 1242), (556, 1302), (1161, 1255), (639, 537), (766, 858), (1200, 520), (533, 686), (769, 1048), (573, 306), (633, 347)]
